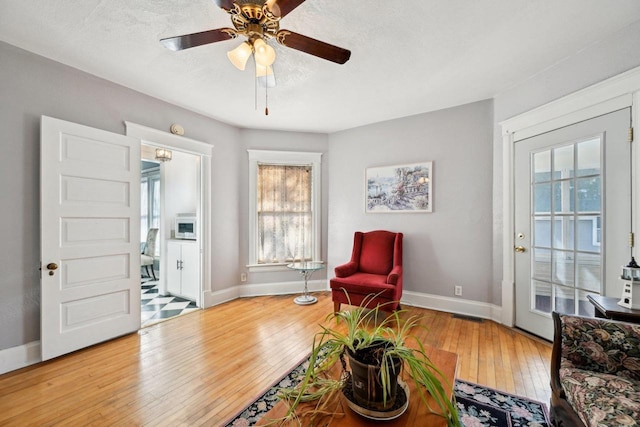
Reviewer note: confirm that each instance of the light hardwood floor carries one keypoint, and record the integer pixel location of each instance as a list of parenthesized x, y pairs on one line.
[(202, 368)]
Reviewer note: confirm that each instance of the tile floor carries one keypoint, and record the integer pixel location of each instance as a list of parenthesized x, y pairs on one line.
[(156, 308)]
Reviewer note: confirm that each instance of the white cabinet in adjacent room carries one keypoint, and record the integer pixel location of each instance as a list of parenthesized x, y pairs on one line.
[(183, 268)]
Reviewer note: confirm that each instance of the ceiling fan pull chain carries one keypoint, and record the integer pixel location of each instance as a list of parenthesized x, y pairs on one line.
[(266, 99), (255, 87)]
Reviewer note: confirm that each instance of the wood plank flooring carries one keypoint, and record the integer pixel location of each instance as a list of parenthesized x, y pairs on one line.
[(202, 368)]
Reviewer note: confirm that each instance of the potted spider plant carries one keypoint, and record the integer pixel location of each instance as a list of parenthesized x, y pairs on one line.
[(378, 357)]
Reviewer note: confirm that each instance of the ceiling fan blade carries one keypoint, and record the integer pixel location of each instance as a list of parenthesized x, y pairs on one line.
[(197, 39), (313, 47), (225, 4), (282, 8)]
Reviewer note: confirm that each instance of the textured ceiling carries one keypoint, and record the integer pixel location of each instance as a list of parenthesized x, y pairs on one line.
[(408, 56)]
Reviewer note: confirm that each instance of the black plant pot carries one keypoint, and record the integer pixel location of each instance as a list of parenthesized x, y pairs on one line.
[(366, 383)]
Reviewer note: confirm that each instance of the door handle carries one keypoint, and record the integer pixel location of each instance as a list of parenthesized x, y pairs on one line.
[(520, 249), (52, 266)]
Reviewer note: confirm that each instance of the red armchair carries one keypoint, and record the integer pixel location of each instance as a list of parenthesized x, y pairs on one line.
[(375, 269)]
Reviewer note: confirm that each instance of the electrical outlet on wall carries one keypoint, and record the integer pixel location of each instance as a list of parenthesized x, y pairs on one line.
[(457, 290), (243, 277)]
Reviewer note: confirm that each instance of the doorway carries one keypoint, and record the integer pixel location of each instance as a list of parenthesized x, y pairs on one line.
[(171, 286), (572, 216), (90, 230), (614, 94), (200, 155), (89, 236)]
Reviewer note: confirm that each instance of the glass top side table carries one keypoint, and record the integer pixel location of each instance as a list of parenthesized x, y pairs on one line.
[(306, 269)]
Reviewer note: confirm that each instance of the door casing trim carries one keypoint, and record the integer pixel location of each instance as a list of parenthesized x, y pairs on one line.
[(610, 95), (157, 138)]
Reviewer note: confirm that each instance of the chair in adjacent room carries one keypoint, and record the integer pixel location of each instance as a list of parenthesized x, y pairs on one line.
[(373, 276), (147, 257)]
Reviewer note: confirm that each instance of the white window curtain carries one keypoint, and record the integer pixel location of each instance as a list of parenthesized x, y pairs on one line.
[(285, 217)]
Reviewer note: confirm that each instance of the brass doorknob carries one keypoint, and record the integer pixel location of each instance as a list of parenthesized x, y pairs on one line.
[(52, 266), (520, 249)]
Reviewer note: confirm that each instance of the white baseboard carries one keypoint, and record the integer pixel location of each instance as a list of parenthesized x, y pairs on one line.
[(19, 357), (261, 289), (282, 288), (219, 297), (453, 305), (418, 299)]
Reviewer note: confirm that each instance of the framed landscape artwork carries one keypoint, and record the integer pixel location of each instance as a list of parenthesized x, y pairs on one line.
[(402, 188)]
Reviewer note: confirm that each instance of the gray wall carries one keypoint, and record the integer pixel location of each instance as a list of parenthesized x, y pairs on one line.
[(32, 86), (450, 246)]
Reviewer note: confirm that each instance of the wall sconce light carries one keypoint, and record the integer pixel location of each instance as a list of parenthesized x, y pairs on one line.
[(163, 154)]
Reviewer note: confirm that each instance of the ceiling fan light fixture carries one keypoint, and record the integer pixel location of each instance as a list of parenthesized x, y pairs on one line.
[(240, 55), (265, 76), (265, 54)]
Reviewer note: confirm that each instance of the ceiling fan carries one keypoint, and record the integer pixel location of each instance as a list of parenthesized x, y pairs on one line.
[(258, 21)]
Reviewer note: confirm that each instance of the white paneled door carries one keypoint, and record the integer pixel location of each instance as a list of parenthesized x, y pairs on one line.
[(90, 228), (572, 218)]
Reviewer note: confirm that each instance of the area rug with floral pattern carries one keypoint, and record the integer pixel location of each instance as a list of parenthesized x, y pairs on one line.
[(478, 406), (482, 406)]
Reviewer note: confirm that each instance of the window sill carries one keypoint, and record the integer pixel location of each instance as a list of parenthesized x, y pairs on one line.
[(262, 268)]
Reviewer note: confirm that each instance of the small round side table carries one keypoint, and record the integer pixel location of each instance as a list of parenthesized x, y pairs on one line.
[(306, 269)]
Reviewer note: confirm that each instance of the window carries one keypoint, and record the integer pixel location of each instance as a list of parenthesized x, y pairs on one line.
[(566, 256), (284, 207), (596, 231), (149, 202)]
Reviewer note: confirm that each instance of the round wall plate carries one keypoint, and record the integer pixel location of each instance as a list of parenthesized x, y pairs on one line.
[(176, 129)]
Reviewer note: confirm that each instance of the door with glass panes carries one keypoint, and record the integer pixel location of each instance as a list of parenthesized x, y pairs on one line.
[(572, 218)]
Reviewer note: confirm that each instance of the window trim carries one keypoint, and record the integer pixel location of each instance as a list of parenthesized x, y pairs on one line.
[(283, 158)]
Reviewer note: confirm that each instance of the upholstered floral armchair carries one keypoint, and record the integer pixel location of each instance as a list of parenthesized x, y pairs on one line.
[(595, 372), (373, 276)]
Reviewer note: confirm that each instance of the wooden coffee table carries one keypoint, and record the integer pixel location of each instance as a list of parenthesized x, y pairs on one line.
[(416, 414)]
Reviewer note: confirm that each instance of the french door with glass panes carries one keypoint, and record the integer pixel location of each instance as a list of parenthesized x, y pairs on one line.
[(572, 218)]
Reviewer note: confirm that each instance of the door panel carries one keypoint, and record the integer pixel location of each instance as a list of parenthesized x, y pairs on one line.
[(191, 271), (572, 201), (174, 276), (90, 253)]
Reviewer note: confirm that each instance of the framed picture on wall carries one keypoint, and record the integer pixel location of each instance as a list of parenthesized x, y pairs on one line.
[(400, 189)]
